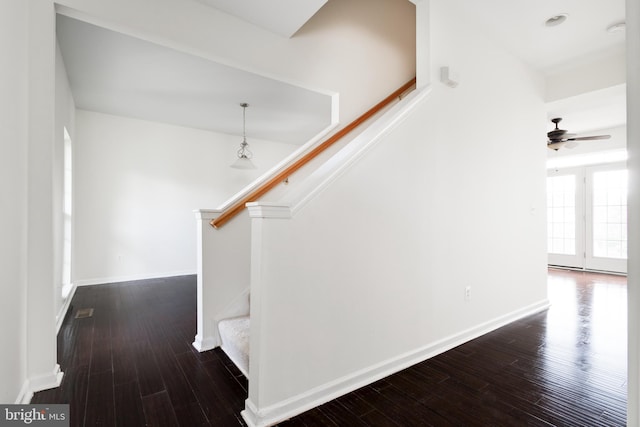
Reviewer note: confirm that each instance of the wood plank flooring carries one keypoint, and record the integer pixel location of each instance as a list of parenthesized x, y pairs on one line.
[(132, 364)]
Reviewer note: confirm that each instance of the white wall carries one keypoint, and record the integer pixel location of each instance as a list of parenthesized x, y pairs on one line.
[(136, 186), (372, 271), (13, 181), (27, 319), (42, 369)]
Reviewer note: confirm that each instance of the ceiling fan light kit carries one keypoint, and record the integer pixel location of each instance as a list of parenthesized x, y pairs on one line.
[(558, 138)]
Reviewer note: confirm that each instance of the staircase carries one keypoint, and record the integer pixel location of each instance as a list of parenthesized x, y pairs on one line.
[(230, 259), (234, 335), (233, 331)]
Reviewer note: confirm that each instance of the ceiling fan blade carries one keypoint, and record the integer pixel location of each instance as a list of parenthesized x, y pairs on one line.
[(589, 138)]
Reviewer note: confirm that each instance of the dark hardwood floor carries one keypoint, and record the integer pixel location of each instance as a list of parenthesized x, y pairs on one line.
[(132, 364)]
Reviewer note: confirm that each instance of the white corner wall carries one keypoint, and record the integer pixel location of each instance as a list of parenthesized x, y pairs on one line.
[(27, 307), (370, 275), (13, 184), (136, 184), (30, 295)]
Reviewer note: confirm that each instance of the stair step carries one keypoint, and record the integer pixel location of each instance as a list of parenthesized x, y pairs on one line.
[(234, 334)]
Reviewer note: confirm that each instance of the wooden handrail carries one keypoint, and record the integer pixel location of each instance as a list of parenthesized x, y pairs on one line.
[(269, 184)]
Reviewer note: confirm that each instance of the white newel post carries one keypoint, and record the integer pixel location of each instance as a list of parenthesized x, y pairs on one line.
[(224, 259), (255, 414), (206, 337)]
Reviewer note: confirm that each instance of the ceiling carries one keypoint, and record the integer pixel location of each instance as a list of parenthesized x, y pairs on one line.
[(117, 74), (122, 75), (269, 14), (519, 25), (592, 111)]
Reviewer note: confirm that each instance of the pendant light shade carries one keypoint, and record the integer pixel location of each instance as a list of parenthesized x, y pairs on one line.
[(243, 163), (244, 155)]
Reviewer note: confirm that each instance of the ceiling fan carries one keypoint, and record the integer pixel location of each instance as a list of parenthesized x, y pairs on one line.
[(561, 138)]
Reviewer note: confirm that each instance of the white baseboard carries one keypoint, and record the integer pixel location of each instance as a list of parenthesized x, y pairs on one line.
[(39, 383), (205, 343), (132, 277), (25, 395), (284, 410)]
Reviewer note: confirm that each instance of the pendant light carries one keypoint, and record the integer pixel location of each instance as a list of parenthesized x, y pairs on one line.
[(244, 155)]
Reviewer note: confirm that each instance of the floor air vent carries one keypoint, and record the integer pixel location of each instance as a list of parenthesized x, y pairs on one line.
[(84, 312)]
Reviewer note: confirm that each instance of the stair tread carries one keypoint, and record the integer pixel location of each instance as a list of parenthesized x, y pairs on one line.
[(234, 334)]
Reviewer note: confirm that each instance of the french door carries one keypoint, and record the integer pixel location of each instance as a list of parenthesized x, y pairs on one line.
[(587, 218), (565, 214)]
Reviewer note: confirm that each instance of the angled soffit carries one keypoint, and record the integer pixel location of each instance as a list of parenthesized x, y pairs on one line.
[(283, 17)]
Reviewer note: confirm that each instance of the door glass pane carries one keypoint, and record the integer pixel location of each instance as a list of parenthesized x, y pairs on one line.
[(561, 214), (610, 214)]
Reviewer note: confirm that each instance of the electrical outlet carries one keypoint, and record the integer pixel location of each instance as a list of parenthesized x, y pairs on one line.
[(467, 293)]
